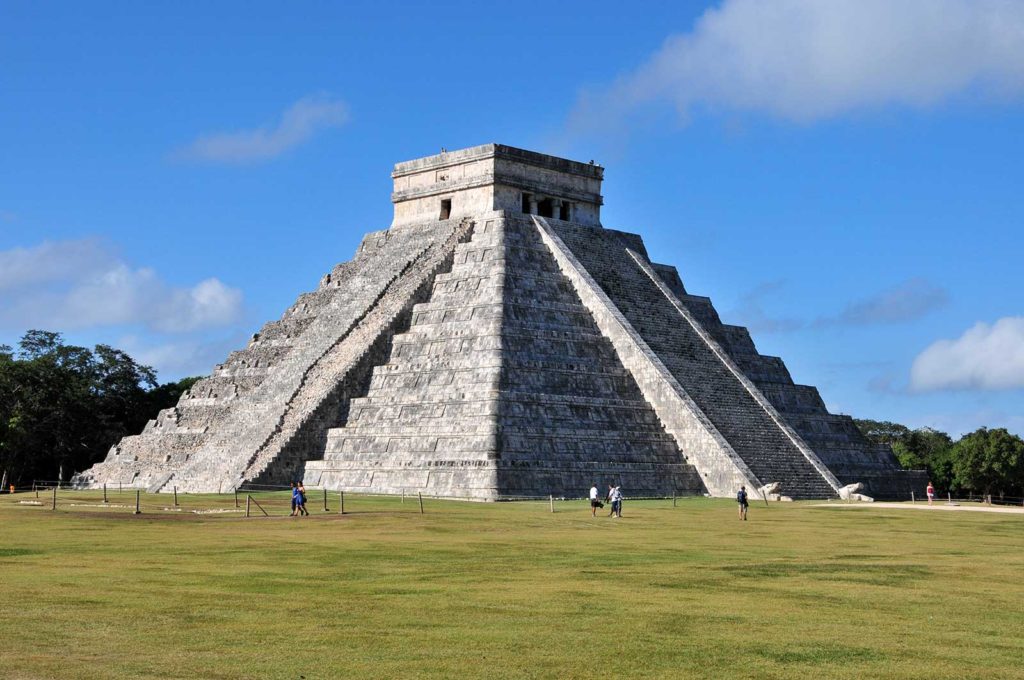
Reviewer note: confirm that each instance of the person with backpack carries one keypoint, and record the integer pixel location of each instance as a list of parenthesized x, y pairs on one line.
[(741, 498), (302, 499)]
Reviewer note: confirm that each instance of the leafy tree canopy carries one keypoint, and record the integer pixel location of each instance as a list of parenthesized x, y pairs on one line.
[(62, 407)]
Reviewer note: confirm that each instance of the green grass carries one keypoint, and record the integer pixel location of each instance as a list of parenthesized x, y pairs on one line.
[(506, 590)]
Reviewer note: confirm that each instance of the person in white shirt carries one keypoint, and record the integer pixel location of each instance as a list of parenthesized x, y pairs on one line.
[(595, 502), (616, 498)]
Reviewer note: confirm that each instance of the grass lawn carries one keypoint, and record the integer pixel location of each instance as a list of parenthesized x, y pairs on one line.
[(507, 590)]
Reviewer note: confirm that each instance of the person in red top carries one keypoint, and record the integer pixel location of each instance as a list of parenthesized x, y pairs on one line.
[(931, 492)]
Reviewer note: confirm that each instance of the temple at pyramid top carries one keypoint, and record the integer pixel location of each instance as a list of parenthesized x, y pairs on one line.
[(480, 179), (497, 342)]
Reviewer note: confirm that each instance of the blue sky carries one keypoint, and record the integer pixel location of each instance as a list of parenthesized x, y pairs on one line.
[(843, 177)]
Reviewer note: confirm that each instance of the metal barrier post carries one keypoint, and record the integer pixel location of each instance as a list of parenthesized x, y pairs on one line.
[(949, 497), (175, 496), (551, 502), (248, 500), (420, 496), (105, 493), (911, 496), (236, 498), (54, 499), (341, 496), (138, 494), (673, 499), (119, 489)]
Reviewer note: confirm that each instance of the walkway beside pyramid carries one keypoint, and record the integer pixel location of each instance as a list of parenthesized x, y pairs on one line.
[(498, 342)]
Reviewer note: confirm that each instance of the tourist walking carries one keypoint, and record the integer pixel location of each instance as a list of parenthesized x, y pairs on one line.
[(595, 502), (616, 497), (302, 499), (295, 499), (931, 493), (741, 498)]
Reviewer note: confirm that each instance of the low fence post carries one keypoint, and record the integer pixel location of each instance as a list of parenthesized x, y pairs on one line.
[(105, 493), (341, 500), (3, 484), (175, 496), (911, 496), (138, 496), (551, 502), (248, 500), (949, 497), (420, 496), (325, 499), (673, 500), (54, 499), (236, 498), (119, 489), (403, 496)]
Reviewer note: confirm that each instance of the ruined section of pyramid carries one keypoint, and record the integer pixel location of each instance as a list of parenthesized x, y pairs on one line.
[(265, 410), (498, 342)]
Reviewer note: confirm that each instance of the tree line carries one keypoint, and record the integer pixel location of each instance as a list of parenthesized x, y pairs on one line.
[(986, 461), (62, 407)]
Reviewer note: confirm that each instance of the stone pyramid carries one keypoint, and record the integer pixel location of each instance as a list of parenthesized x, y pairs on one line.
[(498, 342)]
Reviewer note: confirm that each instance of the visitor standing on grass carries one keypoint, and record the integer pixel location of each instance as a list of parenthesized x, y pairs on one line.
[(595, 502), (616, 498), (302, 499), (931, 493), (741, 498), (295, 499)]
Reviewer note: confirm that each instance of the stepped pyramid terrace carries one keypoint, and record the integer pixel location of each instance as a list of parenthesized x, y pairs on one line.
[(497, 342)]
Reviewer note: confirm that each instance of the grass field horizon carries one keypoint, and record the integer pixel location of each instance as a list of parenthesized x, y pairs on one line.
[(506, 590)]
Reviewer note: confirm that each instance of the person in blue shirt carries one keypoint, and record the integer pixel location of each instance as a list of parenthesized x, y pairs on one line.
[(741, 498)]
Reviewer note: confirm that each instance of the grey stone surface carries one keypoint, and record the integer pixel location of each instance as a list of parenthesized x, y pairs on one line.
[(497, 342)]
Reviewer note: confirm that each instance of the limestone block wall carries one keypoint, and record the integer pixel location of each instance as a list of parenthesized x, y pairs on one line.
[(503, 386), (764, 442), (209, 440)]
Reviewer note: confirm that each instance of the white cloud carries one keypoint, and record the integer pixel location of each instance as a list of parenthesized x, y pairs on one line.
[(806, 60), (298, 124), (179, 358), (67, 285), (906, 301), (985, 357)]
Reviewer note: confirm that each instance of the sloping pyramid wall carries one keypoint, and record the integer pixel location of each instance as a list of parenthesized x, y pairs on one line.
[(502, 387), (261, 413)]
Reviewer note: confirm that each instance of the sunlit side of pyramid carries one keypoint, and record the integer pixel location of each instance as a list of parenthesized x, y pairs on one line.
[(498, 342)]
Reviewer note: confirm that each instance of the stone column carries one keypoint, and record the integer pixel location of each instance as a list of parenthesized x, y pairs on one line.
[(533, 204), (556, 204)]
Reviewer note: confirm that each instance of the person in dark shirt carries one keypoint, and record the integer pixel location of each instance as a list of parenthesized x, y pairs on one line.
[(295, 499), (741, 498)]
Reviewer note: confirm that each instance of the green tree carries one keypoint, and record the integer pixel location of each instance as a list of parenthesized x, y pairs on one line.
[(989, 462), (62, 407)]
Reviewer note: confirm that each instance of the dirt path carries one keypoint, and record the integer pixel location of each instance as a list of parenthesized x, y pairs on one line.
[(943, 506)]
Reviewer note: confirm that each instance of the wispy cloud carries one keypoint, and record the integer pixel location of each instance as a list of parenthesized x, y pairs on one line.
[(297, 125), (985, 357), (907, 301), (750, 311), (181, 357), (808, 60), (65, 285)]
